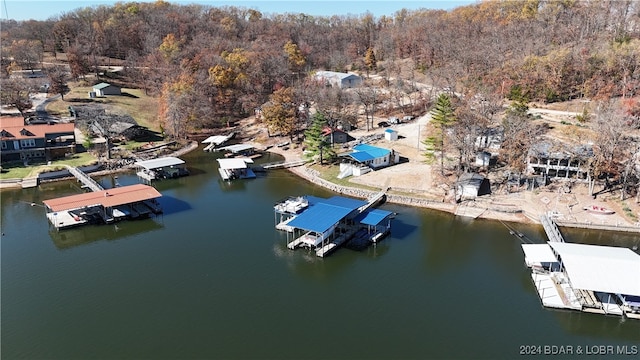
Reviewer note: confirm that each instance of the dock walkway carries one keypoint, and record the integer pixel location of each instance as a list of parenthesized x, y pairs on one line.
[(85, 179), (550, 227), (284, 164)]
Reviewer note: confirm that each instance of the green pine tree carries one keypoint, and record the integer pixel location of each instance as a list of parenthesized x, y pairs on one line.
[(442, 116), (315, 143)]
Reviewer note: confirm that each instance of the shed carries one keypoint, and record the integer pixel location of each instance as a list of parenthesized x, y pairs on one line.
[(103, 89), (471, 185), (391, 135)]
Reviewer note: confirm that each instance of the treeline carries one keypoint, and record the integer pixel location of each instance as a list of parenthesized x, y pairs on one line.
[(210, 65)]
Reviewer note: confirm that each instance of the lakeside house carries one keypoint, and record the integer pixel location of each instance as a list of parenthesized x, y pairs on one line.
[(365, 158), (25, 142), (557, 160), (336, 136)]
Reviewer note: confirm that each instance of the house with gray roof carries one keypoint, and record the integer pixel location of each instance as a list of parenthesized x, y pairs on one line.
[(103, 89)]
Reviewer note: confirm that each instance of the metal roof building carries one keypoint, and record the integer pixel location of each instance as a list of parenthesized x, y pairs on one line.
[(160, 162), (105, 198), (605, 269)]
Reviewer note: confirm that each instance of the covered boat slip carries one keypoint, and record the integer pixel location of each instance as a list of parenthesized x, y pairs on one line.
[(216, 140), (164, 167), (236, 168), (103, 206), (601, 279), (325, 224)]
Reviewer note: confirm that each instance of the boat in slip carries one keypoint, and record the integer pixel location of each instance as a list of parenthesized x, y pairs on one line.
[(595, 209), (235, 168)]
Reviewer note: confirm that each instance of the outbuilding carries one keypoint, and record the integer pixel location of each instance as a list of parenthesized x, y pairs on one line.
[(103, 89), (391, 135), (472, 185)]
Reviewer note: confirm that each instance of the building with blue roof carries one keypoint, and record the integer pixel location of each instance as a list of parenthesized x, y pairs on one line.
[(365, 158)]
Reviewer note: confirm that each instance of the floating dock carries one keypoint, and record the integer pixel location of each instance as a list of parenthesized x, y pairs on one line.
[(324, 225), (588, 278), (216, 140), (104, 206), (161, 168), (236, 168)]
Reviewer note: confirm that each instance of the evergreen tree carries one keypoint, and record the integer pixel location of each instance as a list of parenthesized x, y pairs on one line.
[(315, 143), (442, 116)]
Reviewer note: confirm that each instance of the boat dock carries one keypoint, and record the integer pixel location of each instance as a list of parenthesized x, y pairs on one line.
[(161, 168), (216, 140), (103, 207), (324, 225), (587, 278)]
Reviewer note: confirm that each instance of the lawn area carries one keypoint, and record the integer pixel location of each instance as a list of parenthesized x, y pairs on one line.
[(331, 172), (19, 171), (143, 108)]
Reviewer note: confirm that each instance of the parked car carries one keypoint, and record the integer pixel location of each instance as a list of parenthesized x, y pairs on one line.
[(394, 120), (383, 124), (408, 118)]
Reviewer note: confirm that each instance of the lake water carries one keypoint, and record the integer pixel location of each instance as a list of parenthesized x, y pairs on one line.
[(212, 278)]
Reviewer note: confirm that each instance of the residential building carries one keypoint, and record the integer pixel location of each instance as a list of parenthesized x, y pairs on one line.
[(36, 141), (342, 80), (557, 160)]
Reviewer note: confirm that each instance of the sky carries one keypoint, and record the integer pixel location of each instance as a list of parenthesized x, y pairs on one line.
[(43, 9)]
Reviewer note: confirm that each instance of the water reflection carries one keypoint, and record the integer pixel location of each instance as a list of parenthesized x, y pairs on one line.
[(599, 326), (69, 238)]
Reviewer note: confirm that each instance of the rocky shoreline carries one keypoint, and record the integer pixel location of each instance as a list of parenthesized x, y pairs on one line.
[(524, 208)]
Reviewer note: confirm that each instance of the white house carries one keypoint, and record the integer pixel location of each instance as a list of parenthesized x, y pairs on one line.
[(342, 80)]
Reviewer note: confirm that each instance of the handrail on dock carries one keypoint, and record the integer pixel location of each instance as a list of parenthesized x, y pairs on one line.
[(283, 164), (373, 200), (84, 178), (551, 228)]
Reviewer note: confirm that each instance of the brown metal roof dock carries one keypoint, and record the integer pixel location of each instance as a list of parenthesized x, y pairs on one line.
[(103, 206)]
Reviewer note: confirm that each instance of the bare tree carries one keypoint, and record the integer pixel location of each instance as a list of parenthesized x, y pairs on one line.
[(16, 92), (368, 97), (58, 76)]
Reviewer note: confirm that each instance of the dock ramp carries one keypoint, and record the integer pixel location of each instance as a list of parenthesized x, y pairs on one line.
[(550, 227), (85, 179)]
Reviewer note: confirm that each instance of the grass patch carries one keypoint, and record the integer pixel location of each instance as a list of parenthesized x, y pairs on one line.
[(629, 213), (141, 107), (19, 171), (331, 172)]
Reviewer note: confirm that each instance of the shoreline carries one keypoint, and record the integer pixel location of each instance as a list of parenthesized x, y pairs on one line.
[(524, 211)]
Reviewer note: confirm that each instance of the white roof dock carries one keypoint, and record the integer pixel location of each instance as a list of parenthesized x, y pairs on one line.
[(215, 139), (537, 254), (606, 269), (237, 163), (160, 162), (237, 148)]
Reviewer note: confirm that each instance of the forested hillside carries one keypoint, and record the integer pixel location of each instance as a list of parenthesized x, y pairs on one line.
[(230, 59), (211, 65)]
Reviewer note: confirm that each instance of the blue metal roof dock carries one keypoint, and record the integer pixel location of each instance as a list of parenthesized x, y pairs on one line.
[(325, 224)]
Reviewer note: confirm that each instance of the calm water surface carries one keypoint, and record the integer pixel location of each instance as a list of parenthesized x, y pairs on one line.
[(212, 278)]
